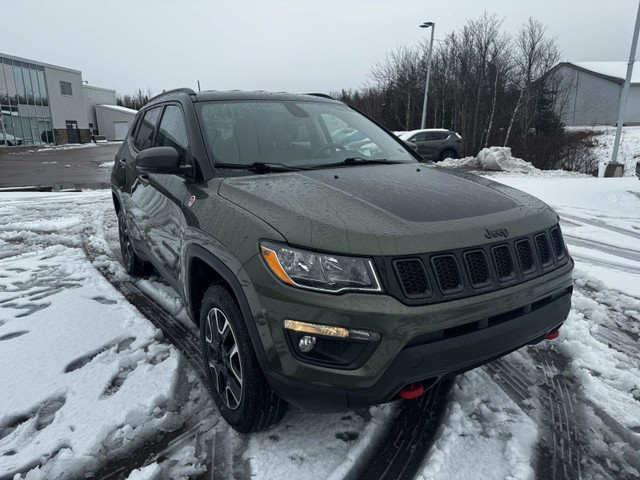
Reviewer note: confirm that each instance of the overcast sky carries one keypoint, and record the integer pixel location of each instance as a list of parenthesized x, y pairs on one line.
[(297, 46)]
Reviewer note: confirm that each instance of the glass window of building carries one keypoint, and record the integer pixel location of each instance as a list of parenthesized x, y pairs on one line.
[(17, 74), (27, 83), (12, 126), (35, 134), (4, 93), (65, 88), (26, 131), (43, 87), (34, 84), (10, 82)]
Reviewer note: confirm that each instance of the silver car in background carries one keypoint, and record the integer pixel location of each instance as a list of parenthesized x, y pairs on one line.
[(434, 143)]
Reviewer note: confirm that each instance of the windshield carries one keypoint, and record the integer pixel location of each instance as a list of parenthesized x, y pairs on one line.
[(294, 134)]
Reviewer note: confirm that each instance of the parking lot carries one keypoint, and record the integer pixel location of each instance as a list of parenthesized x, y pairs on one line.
[(67, 166)]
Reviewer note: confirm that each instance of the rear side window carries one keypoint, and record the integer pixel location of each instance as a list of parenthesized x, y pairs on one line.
[(144, 135), (437, 136), (172, 131), (419, 137)]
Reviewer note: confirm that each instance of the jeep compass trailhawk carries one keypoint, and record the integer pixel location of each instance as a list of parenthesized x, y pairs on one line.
[(324, 273)]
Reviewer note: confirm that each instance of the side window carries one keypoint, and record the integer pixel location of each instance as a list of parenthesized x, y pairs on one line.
[(419, 137), (172, 131), (144, 135)]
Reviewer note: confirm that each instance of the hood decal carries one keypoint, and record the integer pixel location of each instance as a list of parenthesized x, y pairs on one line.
[(424, 194)]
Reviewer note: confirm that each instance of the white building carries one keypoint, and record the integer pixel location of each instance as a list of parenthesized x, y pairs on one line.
[(43, 104), (594, 93), (114, 121)]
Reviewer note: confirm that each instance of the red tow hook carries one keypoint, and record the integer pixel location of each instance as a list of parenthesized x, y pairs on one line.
[(413, 390), (552, 334)]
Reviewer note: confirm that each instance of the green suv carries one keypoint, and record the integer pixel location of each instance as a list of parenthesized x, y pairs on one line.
[(324, 275)]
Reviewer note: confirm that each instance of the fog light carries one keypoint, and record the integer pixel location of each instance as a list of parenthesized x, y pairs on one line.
[(307, 343)]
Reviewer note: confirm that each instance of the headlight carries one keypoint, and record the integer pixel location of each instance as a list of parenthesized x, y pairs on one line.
[(319, 271)]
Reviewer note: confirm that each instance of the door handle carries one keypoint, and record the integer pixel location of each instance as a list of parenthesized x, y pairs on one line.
[(144, 178)]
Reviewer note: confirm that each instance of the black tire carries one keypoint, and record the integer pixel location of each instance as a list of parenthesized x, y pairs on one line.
[(448, 154), (258, 407), (132, 263)]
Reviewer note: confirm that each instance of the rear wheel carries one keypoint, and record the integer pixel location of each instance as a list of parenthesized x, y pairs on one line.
[(237, 384), (448, 154), (132, 263)]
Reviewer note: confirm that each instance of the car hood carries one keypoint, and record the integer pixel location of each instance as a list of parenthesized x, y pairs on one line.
[(387, 209)]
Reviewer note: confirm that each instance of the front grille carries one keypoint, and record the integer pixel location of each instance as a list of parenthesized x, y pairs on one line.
[(466, 272), (544, 251), (413, 277), (447, 273), (558, 243), (525, 256), (503, 262), (477, 268)]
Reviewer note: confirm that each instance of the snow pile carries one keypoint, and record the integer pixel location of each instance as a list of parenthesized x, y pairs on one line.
[(493, 158), (499, 160)]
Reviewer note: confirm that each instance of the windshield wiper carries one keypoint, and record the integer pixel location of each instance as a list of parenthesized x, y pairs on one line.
[(357, 161), (261, 167)]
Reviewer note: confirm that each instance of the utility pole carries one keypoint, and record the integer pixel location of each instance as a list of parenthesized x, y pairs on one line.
[(623, 98), (426, 86)]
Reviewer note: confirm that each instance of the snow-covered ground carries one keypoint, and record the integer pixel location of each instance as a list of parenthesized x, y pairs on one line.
[(629, 151), (86, 378)]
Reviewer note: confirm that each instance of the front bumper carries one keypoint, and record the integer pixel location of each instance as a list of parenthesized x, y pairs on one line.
[(419, 343)]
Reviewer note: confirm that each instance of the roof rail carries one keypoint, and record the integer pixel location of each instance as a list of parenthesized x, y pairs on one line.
[(321, 95), (186, 90)]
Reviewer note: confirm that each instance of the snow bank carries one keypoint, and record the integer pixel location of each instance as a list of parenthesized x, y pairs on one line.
[(499, 159), (492, 158), (629, 152)]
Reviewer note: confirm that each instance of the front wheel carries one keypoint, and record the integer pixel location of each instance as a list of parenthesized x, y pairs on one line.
[(448, 154), (237, 384), (132, 263)]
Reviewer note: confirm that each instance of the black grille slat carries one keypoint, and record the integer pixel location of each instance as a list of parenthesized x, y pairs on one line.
[(413, 277), (558, 243), (544, 250), (525, 256), (477, 268), (503, 262), (447, 273)]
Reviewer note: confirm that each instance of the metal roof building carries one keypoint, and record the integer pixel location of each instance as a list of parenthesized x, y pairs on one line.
[(594, 93), (114, 120), (43, 104)]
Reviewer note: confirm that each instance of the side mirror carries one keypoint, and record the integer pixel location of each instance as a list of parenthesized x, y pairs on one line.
[(159, 160), (410, 144)]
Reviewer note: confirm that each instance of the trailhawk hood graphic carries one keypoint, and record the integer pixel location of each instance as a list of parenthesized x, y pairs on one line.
[(386, 209)]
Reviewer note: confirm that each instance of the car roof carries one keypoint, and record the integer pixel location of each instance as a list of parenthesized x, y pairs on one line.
[(229, 95), (406, 135)]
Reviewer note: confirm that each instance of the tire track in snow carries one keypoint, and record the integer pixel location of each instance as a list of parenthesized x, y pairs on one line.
[(576, 220), (186, 342), (400, 451)]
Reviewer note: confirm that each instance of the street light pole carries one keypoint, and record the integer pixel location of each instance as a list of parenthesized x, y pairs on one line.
[(623, 98), (426, 86)]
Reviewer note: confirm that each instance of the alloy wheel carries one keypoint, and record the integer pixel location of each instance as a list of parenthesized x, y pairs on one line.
[(125, 243), (223, 358)]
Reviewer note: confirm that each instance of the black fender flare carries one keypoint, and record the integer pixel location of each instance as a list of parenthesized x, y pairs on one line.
[(196, 251)]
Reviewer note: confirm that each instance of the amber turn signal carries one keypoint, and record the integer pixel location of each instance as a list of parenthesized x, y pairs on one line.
[(274, 264)]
